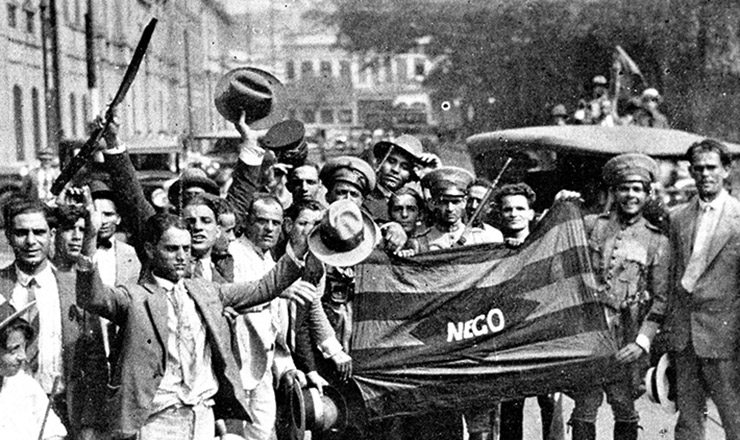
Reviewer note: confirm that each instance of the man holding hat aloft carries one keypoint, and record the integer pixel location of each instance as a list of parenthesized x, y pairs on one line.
[(398, 161), (630, 257)]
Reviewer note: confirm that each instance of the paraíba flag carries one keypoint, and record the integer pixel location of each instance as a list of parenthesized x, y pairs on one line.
[(467, 326)]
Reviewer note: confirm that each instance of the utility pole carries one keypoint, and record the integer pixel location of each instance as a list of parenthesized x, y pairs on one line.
[(91, 62), (52, 92), (189, 93)]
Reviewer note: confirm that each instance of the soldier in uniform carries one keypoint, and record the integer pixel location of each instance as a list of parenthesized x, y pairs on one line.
[(448, 188), (631, 262), (398, 162)]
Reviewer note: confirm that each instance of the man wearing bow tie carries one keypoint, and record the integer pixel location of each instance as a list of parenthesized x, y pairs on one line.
[(117, 261)]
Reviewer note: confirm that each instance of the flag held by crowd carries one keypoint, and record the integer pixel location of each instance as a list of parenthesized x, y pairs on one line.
[(466, 326)]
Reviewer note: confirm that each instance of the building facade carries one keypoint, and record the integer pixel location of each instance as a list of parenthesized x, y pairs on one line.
[(171, 97)]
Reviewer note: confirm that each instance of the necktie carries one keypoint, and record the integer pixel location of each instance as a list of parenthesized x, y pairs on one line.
[(32, 316), (184, 336), (698, 257), (198, 269)]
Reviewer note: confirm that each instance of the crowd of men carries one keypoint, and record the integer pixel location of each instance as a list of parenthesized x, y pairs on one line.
[(602, 108), (189, 328)]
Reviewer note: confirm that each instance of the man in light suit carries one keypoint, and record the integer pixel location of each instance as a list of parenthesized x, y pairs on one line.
[(69, 339), (117, 260), (176, 370), (703, 310)]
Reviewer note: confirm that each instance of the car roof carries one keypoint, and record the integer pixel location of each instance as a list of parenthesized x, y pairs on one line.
[(591, 140)]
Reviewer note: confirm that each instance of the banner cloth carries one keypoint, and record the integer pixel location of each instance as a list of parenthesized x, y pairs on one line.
[(467, 326)]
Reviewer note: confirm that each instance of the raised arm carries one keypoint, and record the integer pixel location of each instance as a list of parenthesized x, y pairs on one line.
[(130, 199), (246, 175)]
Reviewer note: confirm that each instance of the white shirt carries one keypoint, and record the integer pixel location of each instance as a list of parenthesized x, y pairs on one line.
[(173, 390), (22, 407), (106, 261), (50, 322)]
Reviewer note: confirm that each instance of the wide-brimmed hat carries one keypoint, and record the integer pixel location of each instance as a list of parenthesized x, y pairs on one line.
[(254, 91), (409, 144), (660, 384), (348, 169), (308, 410), (345, 236), (8, 313), (191, 177)]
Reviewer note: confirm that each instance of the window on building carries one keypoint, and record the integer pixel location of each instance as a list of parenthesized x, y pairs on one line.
[(325, 69), (373, 77), (290, 70), (364, 74), (402, 69), (327, 116), (36, 114), (306, 69), (345, 71), (388, 68), (308, 116), (78, 12), (12, 15), (419, 67), (345, 116), (30, 25), (73, 114), (20, 138)]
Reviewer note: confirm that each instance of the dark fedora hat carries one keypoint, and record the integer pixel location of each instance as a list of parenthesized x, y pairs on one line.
[(345, 236), (191, 177), (254, 91)]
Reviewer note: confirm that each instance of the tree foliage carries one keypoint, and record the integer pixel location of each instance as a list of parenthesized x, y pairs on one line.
[(526, 56)]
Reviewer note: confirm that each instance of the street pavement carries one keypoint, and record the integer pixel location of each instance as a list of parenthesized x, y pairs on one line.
[(656, 424)]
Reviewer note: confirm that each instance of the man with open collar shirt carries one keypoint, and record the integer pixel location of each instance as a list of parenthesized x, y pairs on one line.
[(176, 371), (702, 322)]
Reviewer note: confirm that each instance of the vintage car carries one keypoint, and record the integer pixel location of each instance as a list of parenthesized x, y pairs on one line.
[(551, 158)]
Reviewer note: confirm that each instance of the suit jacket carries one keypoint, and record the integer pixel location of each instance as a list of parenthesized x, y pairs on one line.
[(83, 356), (709, 317), (140, 310), (128, 267)]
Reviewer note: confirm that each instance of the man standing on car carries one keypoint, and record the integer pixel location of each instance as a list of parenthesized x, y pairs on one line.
[(631, 263), (703, 319)]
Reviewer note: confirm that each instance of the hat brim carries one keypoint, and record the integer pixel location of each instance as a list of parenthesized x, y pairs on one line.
[(203, 182), (348, 258), (17, 314), (278, 106), (381, 149), (663, 385)]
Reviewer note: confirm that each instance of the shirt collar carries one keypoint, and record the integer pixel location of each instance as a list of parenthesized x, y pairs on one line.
[(248, 244), (716, 204), (44, 277), (165, 284)]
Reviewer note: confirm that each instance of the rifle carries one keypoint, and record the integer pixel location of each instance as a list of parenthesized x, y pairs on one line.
[(484, 201), (487, 197), (87, 150)]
